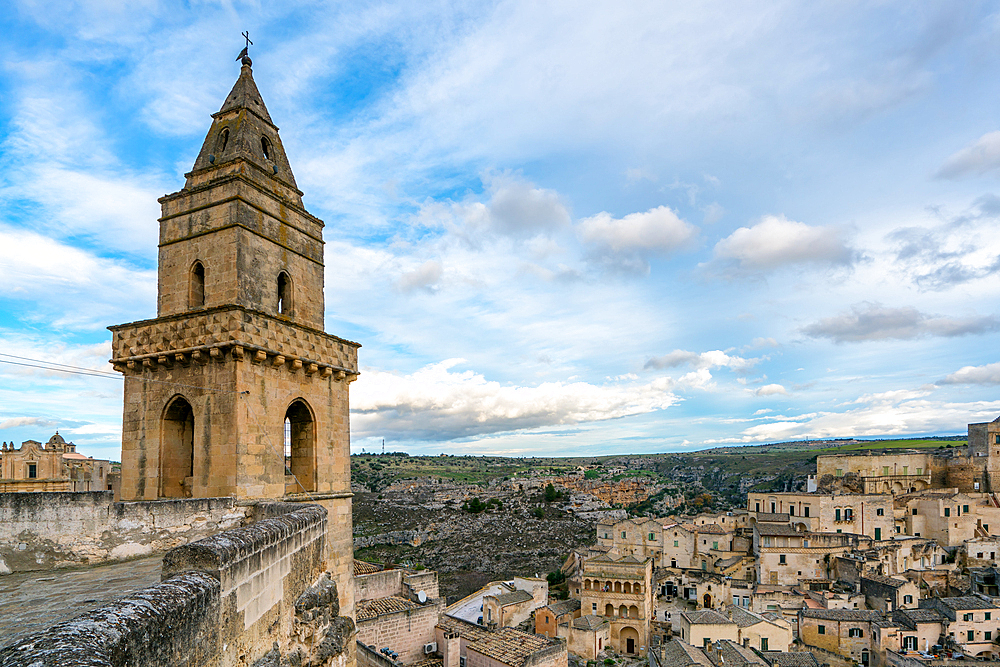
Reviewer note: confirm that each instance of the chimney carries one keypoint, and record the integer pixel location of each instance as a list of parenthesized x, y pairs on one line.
[(451, 649)]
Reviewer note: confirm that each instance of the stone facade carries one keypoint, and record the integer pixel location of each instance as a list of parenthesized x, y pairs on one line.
[(622, 591), (54, 466)]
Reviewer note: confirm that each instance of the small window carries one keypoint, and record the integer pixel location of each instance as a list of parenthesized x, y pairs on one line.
[(32, 471), (805, 511), (965, 509), (196, 298), (836, 515), (265, 147), (966, 617), (885, 471), (285, 297), (623, 534), (821, 629), (840, 472), (223, 139), (651, 536), (907, 599), (988, 615), (906, 470), (987, 635), (676, 543), (920, 471), (758, 507), (971, 635), (855, 632), (947, 511), (914, 511), (791, 510), (781, 559), (715, 545), (880, 512)]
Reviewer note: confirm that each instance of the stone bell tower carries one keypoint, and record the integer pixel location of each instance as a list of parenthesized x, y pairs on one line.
[(235, 389)]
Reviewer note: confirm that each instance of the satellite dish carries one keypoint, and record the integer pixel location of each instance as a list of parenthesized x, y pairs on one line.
[(421, 597)]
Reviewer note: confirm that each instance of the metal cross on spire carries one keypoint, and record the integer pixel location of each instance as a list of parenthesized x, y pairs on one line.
[(244, 55)]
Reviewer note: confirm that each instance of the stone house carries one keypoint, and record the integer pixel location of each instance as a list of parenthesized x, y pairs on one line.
[(727, 653), (895, 473), (701, 627), (550, 617), (783, 600), (972, 622), (980, 552), (508, 610), (768, 632), (464, 644), (639, 537), (678, 653), (397, 609), (948, 517), (859, 514), (919, 629), (888, 594), (621, 590), (846, 632), (54, 466), (787, 557), (586, 636)]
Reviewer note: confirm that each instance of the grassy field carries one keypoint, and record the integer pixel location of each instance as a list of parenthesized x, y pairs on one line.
[(929, 443)]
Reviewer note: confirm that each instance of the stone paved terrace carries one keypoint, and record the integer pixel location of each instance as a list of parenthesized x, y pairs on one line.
[(33, 601)]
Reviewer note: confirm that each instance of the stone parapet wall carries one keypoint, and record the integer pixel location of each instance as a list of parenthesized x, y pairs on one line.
[(43, 531), (252, 596)]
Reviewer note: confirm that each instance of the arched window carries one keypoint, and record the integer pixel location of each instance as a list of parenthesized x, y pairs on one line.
[(627, 588), (284, 294), (609, 610), (177, 450), (223, 140), (196, 295), (623, 611), (300, 447), (265, 147), (633, 612)]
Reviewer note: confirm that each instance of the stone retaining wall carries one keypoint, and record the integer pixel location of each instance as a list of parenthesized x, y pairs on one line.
[(42, 531), (255, 596)]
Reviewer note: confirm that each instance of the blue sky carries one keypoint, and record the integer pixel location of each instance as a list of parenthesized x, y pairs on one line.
[(556, 228)]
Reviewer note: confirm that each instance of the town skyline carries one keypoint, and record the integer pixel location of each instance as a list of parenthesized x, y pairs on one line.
[(553, 231)]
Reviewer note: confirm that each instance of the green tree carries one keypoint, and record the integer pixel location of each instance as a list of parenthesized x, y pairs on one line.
[(550, 493)]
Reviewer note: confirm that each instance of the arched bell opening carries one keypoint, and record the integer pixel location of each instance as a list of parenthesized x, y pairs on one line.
[(177, 450)]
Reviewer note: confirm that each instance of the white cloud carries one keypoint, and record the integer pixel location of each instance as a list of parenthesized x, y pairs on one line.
[(658, 231), (424, 276), (437, 403), (69, 287), (776, 241), (770, 390), (978, 158), (703, 360), (872, 321), (988, 374), (15, 422)]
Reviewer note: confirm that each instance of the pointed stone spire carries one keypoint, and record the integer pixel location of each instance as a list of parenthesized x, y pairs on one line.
[(244, 139)]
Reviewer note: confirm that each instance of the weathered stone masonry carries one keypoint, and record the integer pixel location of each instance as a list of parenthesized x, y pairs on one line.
[(42, 531), (243, 597)]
